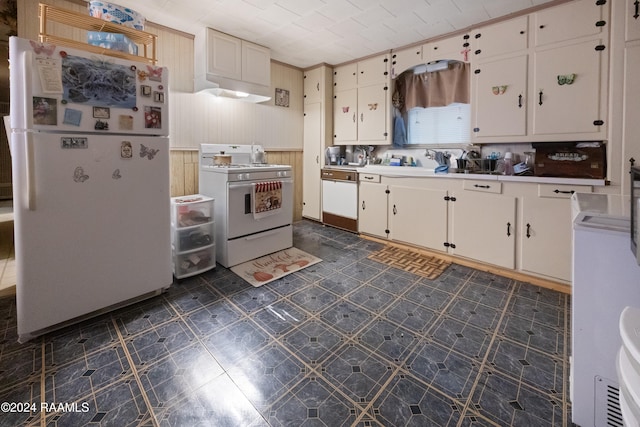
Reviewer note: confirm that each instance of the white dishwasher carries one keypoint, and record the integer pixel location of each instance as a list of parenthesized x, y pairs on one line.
[(340, 198)]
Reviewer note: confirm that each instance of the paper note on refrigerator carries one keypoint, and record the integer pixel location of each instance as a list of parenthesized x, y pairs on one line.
[(50, 72)]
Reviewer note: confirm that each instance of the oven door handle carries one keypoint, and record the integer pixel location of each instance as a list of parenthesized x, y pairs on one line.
[(263, 234), (245, 184)]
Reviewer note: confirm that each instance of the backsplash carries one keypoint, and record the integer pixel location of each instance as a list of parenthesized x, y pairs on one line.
[(425, 157)]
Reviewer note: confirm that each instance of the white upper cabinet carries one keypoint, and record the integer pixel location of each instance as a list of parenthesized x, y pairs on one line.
[(231, 63), (568, 22), (224, 55), (314, 85), (632, 16), (256, 64), (404, 59), (500, 96), (361, 102), (452, 48), (345, 77), (373, 70), (543, 77), (372, 114), (575, 106), (345, 116), (455, 48), (498, 39)]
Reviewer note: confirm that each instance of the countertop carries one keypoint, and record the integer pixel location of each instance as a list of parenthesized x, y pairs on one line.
[(418, 172)]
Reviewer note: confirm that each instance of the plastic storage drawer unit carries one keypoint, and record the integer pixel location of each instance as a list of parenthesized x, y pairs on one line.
[(192, 235)]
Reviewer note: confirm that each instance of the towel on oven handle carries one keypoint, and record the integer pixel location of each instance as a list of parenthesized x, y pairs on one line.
[(267, 198)]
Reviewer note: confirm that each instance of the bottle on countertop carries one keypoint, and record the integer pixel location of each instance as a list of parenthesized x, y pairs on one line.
[(508, 163)]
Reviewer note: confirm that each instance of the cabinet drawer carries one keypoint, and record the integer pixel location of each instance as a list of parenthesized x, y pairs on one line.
[(188, 239), (191, 263), (483, 186), (561, 191), (188, 211), (369, 177)]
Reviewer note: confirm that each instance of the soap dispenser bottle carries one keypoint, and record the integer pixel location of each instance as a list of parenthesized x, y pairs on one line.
[(508, 163)]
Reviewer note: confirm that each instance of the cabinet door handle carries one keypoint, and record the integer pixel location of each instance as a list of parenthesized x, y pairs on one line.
[(318, 87), (361, 117), (563, 191), (540, 98), (318, 159), (354, 117), (481, 186), (395, 211), (363, 205), (636, 5), (528, 230), (508, 229), (520, 99)]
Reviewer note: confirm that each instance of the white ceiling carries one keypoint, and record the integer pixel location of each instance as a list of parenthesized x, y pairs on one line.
[(307, 32)]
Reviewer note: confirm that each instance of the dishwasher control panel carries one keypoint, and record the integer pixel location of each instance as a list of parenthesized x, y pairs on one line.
[(339, 175)]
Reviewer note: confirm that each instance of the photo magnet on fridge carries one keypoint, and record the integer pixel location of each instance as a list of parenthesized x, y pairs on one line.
[(101, 112), (72, 117), (74, 142), (152, 117), (125, 122), (126, 150), (45, 111)]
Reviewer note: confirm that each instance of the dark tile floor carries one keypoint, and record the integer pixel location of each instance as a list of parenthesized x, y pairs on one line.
[(345, 342)]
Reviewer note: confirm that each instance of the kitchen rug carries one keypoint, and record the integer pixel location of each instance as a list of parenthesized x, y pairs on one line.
[(414, 262), (271, 267)]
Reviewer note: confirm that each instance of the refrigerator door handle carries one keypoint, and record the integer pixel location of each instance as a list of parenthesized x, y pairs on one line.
[(30, 172)]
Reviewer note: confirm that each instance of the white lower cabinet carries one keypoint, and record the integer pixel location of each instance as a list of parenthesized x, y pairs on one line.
[(546, 231), (418, 216), (408, 214), (524, 227), (483, 227), (372, 207)]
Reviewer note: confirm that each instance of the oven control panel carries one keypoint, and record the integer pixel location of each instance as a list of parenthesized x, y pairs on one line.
[(260, 175)]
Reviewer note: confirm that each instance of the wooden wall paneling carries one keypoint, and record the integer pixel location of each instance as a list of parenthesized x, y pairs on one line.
[(176, 160), (184, 173), (293, 158)]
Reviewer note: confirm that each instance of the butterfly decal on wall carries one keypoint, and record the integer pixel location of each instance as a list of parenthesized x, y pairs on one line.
[(345, 109), (116, 174), (40, 48), (147, 152), (373, 107), (79, 175)]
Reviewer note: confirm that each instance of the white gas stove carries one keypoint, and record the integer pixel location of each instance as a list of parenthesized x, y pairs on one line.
[(253, 203)]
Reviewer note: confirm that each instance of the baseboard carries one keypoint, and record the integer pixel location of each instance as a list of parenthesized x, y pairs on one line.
[(489, 268)]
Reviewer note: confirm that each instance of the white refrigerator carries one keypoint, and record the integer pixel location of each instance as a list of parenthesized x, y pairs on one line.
[(606, 279), (90, 157)]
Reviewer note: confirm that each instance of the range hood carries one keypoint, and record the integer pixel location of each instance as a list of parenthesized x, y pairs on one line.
[(230, 67), (234, 89)]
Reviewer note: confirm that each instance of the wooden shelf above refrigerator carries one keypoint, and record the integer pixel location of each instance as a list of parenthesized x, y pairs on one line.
[(49, 14)]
